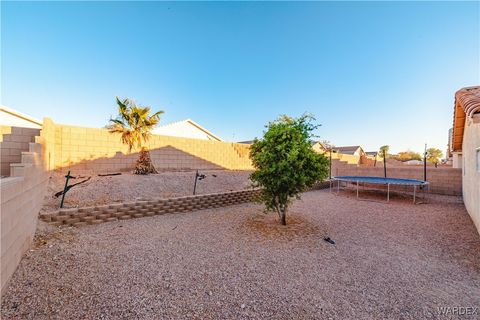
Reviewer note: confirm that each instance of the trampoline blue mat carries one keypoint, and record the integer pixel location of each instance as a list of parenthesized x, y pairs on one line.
[(380, 180)]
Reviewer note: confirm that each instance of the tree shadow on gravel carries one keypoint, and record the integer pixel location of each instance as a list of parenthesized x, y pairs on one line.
[(267, 226)]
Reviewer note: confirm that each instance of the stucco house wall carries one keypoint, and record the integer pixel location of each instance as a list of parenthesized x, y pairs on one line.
[(471, 168)]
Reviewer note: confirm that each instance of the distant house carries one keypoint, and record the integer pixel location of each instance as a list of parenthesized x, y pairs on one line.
[(13, 118), (186, 129), (351, 150), (465, 147), (371, 153), (413, 162), (319, 147)]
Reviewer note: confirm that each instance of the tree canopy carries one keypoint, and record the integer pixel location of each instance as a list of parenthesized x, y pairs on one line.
[(434, 155), (384, 150), (134, 124), (408, 155), (285, 164)]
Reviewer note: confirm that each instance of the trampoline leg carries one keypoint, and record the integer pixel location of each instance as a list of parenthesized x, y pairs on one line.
[(388, 192), (414, 190), (357, 189)]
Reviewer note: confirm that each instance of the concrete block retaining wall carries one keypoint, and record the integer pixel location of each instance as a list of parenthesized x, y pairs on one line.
[(14, 141), (21, 199), (78, 217)]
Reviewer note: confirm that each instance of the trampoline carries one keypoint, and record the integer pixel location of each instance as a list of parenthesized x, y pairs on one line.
[(357, 180)]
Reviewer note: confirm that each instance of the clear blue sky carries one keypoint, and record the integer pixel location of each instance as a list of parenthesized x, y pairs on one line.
[(373, 73)]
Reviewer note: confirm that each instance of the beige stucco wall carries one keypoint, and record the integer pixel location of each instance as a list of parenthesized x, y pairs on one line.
[(457, 160), (471, 171), (91, 149), (21, 199), (13, 141)]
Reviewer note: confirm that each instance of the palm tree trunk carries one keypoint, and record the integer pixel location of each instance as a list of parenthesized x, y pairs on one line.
[(144, 163)]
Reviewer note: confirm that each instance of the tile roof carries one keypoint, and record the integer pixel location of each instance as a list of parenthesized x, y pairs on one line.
[(467, 103)]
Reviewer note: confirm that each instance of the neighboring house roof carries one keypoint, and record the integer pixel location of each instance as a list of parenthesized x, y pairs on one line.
[(348, 150), (246, 142), (413, 162), (186, 129), (371, 153), (467, 103), (319, 144), (14, 118)]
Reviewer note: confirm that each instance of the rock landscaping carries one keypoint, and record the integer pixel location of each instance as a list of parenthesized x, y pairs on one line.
[(389, 261)]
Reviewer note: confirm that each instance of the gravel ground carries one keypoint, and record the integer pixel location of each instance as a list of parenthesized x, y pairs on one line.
[(390, 261), (128, 187)]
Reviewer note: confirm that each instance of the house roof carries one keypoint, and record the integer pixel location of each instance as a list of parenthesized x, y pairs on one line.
[(371, 153), (24, 117), (347, 150), (467, 103), (173, 125)]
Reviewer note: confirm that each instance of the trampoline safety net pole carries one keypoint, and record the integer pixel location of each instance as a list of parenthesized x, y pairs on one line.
[(384, 163), (425, 163)]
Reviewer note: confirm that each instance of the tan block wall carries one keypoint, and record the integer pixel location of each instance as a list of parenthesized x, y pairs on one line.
[(470, 171), (90, 149), (21, 199), (14, 140), (443, 180), (78, 217)]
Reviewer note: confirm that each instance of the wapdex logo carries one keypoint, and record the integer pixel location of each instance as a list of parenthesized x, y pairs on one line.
[(458, 311)]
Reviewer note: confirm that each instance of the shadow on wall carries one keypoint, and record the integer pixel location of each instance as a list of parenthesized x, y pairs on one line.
[(164, 158)]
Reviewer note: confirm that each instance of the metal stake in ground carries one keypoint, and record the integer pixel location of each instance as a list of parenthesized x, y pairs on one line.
[(68, 176), (197, 177)]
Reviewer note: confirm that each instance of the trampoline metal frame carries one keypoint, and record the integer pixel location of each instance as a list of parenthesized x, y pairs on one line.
[(424, 184)]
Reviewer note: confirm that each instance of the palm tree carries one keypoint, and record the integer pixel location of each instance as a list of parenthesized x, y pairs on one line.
[(135, 124)]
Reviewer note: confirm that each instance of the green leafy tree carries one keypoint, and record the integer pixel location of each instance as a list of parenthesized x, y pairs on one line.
[(285, 164), (134, 124), (386, 149), (434, 155), (408, 155)]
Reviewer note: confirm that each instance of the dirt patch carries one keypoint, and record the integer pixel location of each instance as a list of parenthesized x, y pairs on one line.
[(47, 235), (268, 226)]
